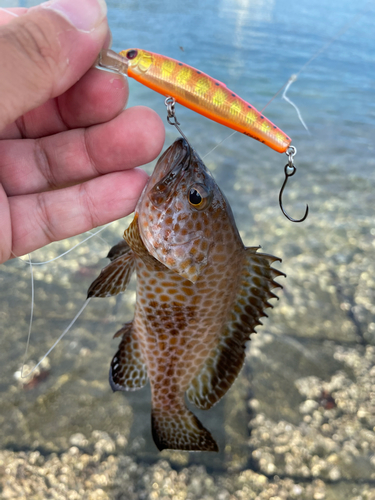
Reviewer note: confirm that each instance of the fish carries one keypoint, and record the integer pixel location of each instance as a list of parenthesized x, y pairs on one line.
[(197, 91), (200, 294)]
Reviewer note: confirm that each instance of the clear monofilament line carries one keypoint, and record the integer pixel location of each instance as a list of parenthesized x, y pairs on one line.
[(9, 12), (55, 344), (31, 315), (31, 264), (322, 49), (292, 79), (70, 249), (99, 237), (218, 144)]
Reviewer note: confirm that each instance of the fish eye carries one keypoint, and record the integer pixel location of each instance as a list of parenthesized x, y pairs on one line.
[(131, 54), (199, 197), (194, 197)]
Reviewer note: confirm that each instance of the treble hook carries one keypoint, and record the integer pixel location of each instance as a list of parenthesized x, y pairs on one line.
[(291, 151)]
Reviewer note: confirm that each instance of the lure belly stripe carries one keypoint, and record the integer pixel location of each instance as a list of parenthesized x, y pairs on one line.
[(203, 94)]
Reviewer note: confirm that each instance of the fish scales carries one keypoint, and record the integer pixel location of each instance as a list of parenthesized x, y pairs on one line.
[(200, 294)]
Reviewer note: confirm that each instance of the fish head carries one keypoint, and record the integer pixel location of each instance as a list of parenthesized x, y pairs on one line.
[(139, 60), (179, 211)]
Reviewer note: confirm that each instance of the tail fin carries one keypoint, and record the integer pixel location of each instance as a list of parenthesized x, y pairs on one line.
[(180, 430)]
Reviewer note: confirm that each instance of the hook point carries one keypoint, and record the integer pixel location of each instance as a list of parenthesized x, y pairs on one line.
[(296, 220)]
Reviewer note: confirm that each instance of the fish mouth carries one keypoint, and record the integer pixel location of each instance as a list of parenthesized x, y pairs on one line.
[(175, 156), (169, 170)]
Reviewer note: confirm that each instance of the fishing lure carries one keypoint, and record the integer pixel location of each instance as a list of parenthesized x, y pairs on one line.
[(205, 95), (196, 90)]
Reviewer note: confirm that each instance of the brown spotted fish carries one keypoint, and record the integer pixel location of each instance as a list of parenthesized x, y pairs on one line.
[(200, 294)]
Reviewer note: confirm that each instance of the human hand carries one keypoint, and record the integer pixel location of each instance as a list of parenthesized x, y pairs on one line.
[(67, 150)]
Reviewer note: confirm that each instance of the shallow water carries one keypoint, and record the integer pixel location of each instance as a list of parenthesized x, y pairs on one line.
[(299, 421)]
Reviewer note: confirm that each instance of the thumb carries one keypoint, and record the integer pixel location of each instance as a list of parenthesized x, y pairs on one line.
[(46, 50)]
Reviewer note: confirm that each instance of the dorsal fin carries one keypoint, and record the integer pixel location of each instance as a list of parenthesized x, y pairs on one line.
[(114, 278), (128, 372), (226, 359)]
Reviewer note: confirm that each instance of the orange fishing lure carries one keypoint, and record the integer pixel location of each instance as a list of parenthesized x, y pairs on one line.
[(196, 90), (203, 94)]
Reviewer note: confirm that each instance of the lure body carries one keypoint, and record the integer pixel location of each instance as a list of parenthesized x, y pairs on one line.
[(203, 94), (200, 294)]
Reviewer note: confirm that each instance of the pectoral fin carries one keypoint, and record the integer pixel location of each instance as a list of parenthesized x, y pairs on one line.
[(114, 278), (133, 238), (128, 371), (226, 360), (117, 250)]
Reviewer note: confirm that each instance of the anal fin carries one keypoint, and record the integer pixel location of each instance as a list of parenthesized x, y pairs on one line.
[(128, 372), (219, 371), (226, 359), (180, 430)]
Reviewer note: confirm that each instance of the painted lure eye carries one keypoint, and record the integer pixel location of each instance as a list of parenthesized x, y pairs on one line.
[(131, 54), (199, 197)]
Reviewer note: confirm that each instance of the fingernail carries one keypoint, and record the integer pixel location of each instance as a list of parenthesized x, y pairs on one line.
[(85, 15)]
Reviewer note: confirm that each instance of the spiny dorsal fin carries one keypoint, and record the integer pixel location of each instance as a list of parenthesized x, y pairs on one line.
[(128, 371), (114, 278), (226, 360)]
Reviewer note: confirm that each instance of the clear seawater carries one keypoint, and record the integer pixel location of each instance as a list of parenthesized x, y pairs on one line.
[(328, 301)]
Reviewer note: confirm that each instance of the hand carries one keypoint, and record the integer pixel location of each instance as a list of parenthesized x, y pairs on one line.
[(67, 148)]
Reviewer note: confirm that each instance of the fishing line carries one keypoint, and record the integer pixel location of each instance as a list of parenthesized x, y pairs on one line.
[(31, 264), (31, 315), (9, 12), (57, 341), (218, 144), (294, 77), (99, 237), (70, 249), (322, 49)]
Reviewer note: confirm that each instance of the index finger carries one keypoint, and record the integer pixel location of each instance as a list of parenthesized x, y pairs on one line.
[(133, 138)]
